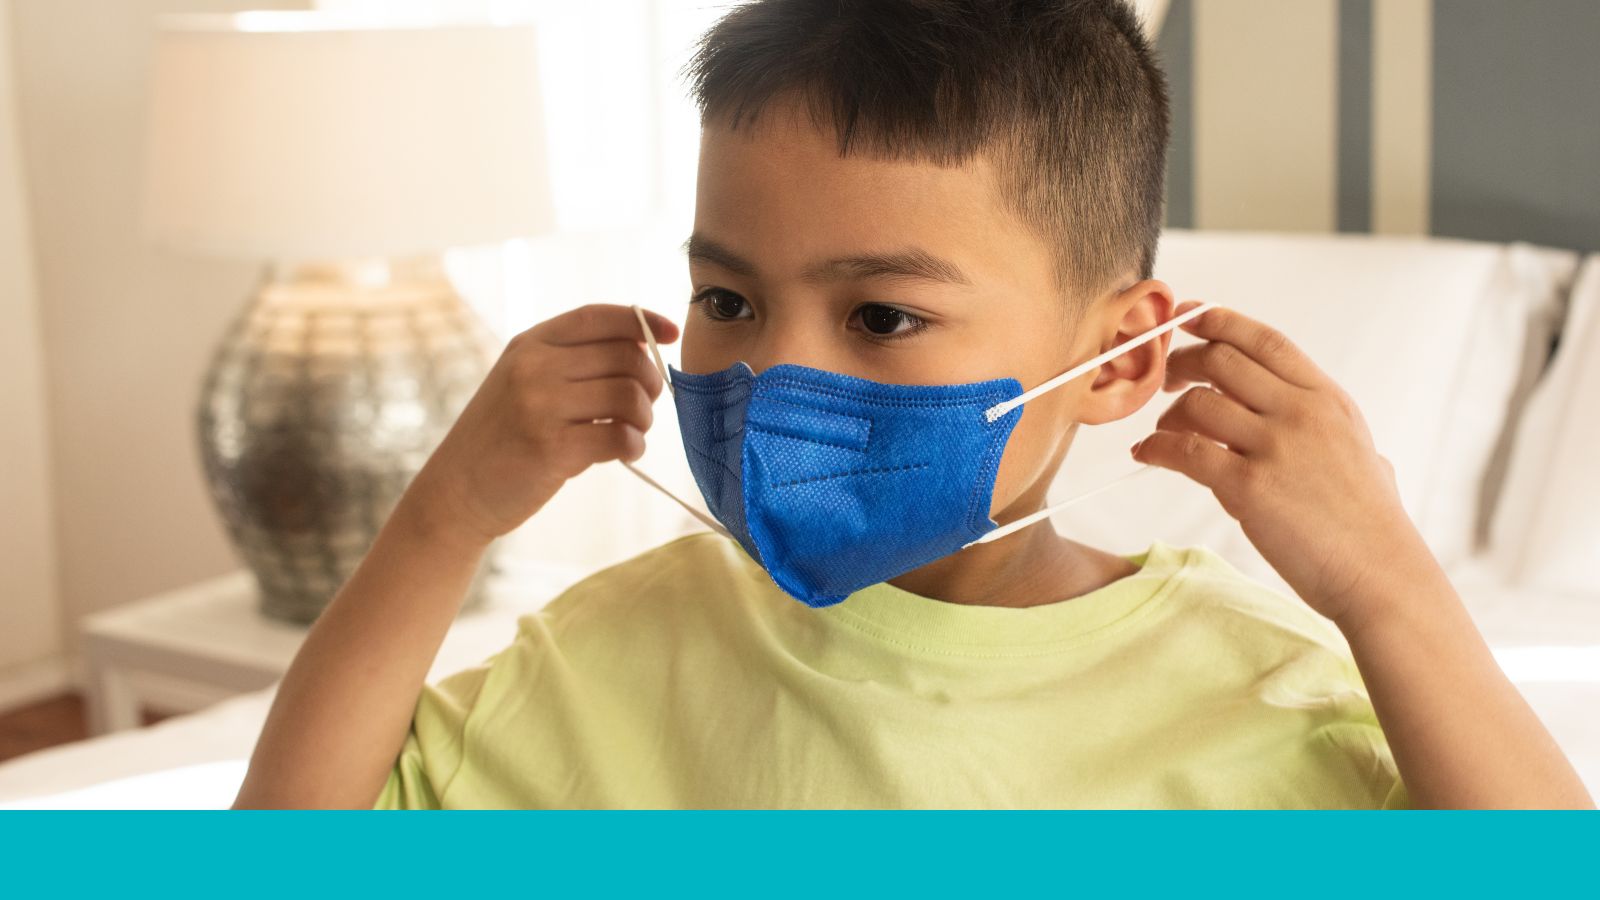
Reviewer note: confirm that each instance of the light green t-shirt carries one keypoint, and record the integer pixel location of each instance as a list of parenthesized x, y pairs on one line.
[(684, 678)]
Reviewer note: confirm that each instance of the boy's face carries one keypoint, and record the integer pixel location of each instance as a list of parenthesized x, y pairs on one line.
[(905, 273)]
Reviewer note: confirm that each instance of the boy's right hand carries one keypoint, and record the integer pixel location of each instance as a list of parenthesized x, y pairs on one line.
[(565, 394)]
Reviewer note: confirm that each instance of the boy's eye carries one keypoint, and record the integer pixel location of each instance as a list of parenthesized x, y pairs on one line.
[(723, 304), (883, 321)]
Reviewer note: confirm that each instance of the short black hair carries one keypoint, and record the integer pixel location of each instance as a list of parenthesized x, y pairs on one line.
[(1065, 96)]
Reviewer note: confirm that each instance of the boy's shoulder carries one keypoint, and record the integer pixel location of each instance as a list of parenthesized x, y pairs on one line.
[(1261, 642), (1212, 583), (1211, 593)]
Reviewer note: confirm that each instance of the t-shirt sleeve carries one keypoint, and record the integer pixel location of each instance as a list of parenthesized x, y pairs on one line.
[(1371, 778), (435, 744), (1397, 798), (1369, 748)]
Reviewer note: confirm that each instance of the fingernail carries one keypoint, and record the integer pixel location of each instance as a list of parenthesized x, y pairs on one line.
[(1134, 450)]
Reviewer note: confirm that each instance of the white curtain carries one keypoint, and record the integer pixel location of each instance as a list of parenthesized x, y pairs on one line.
[(623, 139), (623, 143)]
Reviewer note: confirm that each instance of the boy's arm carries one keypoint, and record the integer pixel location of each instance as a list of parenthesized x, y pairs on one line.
[(1287, 454), (565, 394), (343, 709), (1461, 733)]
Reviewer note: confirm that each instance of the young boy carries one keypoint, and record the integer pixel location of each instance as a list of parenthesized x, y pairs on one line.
[(925, 193)]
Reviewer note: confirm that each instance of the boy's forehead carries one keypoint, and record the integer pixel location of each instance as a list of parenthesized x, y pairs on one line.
[(783, 165), (781, 189)]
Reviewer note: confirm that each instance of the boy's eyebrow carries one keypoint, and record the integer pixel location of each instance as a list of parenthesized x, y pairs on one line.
[(703, 249), (913, 263)]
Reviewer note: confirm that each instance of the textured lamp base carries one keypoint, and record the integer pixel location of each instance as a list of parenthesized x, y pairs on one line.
[(321, 405)]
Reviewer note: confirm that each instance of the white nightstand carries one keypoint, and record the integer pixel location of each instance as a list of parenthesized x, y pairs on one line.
[(187, 649)]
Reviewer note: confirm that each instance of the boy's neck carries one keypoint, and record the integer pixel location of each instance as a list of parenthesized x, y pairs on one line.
[(1033, 567)]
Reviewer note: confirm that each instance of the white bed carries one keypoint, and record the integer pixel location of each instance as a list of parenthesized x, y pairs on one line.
[(1438, 341)]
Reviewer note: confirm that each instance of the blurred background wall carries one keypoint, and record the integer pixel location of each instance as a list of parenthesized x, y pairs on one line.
[(30, 628)]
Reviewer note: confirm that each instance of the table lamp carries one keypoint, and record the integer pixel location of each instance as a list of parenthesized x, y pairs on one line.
[(345, 158)]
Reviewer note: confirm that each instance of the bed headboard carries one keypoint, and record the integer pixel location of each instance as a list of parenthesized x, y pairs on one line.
[(1460, 118)]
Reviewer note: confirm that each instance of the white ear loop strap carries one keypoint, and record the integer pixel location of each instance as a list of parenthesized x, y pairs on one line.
[(1048, 511), (1000, 409), (1078, 371), (655, 351), (705, 518)]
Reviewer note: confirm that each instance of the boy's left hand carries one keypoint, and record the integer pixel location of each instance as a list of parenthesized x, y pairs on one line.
[(1287, 453)]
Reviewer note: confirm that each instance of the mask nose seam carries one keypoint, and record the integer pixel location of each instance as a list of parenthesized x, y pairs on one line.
[(711, 459), (882, 470)]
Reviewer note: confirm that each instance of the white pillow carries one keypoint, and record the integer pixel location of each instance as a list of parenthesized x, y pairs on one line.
[(1427, 335), (1547, 528)]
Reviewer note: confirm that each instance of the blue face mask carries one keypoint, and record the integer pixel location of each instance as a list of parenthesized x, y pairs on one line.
[(834, 483)]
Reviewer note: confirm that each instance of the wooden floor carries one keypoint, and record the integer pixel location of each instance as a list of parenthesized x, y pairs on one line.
[(59, 720), (48, 723)]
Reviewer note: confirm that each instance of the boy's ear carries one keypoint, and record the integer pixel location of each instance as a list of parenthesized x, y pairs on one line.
[(1125, 384)]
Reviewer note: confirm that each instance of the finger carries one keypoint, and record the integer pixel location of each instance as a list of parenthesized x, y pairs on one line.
[(604, 441), (1200, 459), (1206, 412), (603, 322), (609, 359), (614, 399), (1226, 368), (665, 330), (1267, 346)]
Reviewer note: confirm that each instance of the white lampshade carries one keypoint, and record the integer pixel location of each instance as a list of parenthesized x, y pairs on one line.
[(302, 135)]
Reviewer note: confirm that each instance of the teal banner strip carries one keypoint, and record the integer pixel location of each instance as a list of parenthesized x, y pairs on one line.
[(817, 853)]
